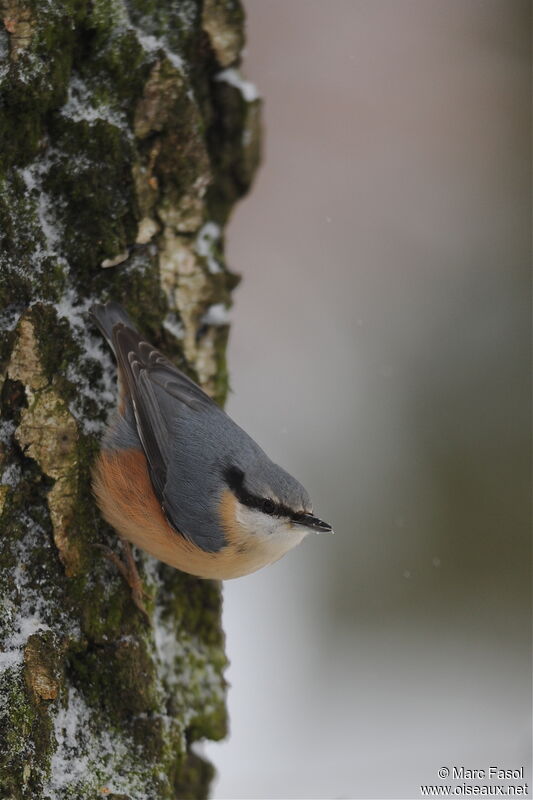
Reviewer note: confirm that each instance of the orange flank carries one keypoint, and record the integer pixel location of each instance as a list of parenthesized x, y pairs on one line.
[(127, 500)]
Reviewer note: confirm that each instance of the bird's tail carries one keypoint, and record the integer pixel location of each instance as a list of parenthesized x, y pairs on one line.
[(107, 316)]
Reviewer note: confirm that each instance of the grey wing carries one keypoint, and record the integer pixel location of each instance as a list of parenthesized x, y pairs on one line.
[(158, 390)]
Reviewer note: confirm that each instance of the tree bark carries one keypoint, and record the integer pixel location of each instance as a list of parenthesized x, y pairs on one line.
[(126, 135)]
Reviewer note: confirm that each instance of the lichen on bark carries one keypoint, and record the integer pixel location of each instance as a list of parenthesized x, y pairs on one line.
[(122, 152)]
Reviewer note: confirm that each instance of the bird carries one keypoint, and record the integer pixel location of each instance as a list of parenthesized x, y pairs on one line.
[(178, 478)]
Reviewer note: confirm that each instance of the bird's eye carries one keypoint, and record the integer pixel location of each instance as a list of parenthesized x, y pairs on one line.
[(268, 506)]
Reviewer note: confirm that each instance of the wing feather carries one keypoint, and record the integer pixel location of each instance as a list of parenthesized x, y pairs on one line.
[(159, 393), (145, 369)]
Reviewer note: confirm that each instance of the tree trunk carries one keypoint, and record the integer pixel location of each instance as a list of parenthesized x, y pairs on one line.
[(126, 137)]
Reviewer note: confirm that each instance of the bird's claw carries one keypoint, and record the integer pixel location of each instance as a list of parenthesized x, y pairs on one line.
[(128, 570)]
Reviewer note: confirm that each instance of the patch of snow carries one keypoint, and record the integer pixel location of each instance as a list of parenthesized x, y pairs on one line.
[(180, 659), (90, 755), (11, 475), (72, 310), (69, 307), (151, 44), (216, 314), (206, 239), (188, 10), (172, 324), (66, 769), (7, 429), (23, 626), (103, 393), (33, 179), (31, 613), (232, 76), (82, 106), (9, 318)]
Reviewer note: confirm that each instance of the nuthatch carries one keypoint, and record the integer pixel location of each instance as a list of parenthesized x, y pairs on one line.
[(178, 478)]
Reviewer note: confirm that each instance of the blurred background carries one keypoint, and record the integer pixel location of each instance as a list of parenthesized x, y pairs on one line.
[(380, 351)]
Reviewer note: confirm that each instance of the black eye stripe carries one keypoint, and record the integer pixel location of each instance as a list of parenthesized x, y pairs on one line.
[(235, 479)]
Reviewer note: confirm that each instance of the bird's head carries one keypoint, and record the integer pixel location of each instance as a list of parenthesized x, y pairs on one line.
[(272, 506)]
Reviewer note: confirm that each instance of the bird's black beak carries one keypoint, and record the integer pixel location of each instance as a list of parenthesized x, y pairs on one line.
[(309, 521)]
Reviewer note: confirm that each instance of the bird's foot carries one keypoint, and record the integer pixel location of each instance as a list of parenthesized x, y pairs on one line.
[(128, 570)]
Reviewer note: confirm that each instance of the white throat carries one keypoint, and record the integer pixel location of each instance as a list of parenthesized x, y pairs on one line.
[(273, 535)]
